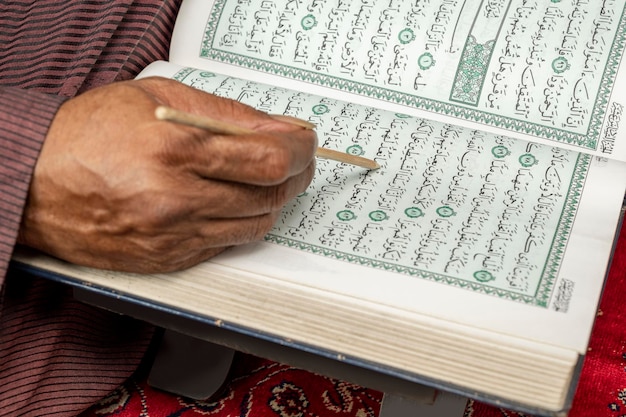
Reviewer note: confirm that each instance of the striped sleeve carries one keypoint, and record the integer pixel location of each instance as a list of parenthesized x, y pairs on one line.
[(68, 47), (24, 120), (57, 355)]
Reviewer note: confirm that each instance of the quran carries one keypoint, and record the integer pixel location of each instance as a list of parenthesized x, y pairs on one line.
[(474, 258)]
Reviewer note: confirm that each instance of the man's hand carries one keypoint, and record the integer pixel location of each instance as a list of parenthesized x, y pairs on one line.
[(114, 188)]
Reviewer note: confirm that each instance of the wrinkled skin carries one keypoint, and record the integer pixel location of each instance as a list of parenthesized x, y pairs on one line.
[(115, 188)]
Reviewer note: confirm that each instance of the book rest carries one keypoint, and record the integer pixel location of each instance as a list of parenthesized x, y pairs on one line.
[(194, 359)]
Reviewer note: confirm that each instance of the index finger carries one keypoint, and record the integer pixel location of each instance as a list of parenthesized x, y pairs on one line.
[(258, 158)]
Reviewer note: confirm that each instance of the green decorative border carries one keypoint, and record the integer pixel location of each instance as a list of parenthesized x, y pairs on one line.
[(472, 70), (542, 294), (182, 74), (588, 140)]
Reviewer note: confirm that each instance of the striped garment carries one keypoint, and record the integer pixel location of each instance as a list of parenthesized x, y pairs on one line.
[(58, 356)]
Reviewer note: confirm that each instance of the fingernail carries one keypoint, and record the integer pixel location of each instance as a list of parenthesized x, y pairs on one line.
[(293, 121)]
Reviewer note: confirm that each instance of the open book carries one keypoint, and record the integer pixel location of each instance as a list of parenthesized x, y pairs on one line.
[(474, 258)]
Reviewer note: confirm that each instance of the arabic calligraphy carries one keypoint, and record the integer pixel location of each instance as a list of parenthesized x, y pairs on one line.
[(534, 66), (454, 205)]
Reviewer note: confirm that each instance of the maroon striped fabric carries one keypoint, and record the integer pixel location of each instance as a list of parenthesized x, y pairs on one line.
[(58, 356), (67, 47), (24, 119)]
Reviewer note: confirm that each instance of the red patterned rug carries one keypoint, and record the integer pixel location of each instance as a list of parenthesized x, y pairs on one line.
[(261, 388)]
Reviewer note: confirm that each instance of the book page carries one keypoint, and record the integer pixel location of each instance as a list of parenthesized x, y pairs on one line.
[(457, 223), (546, 71)]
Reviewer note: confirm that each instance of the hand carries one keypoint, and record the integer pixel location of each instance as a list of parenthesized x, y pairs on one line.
[(116, 189)]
